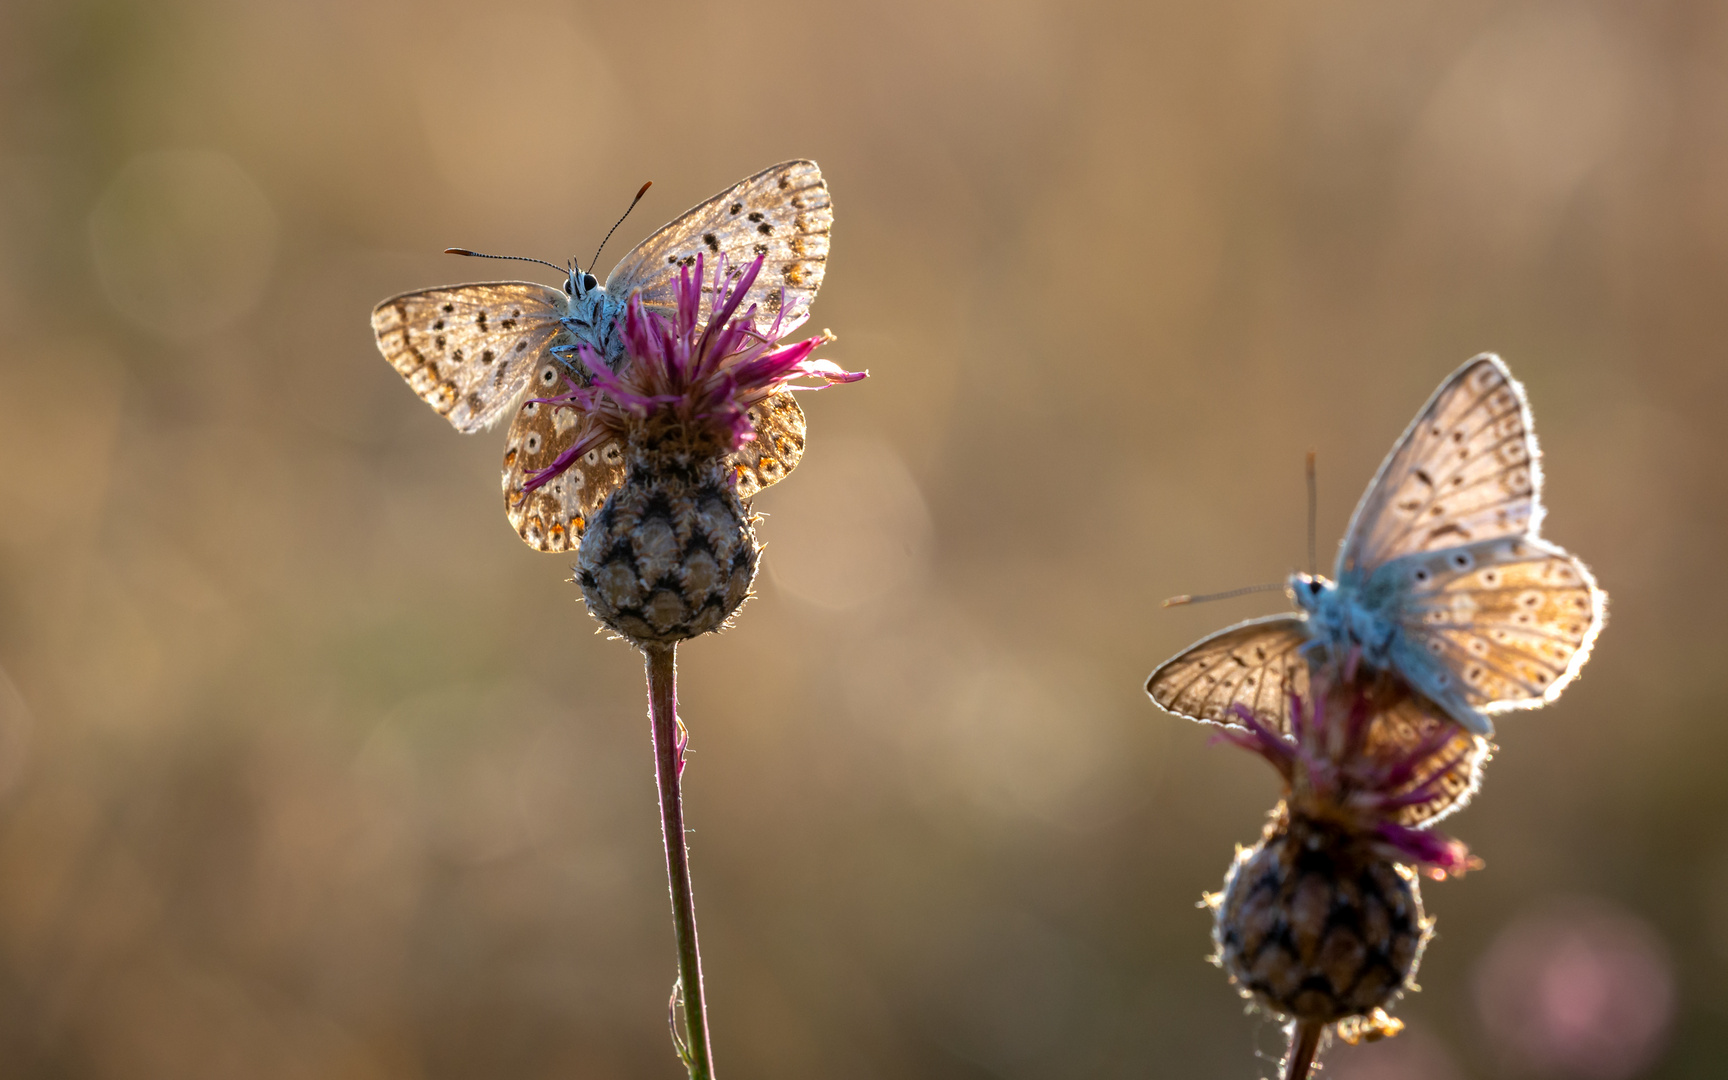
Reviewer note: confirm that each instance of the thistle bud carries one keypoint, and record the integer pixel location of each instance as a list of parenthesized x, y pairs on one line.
[(1316, 924)]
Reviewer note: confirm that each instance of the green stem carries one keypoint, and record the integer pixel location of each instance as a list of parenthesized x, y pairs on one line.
[(1304, 1046), (668, 764)]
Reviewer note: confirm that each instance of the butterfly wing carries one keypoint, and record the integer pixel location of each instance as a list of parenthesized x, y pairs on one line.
[(1452, 767), (470, 349), (1255, 664), (553, 516), (777, 447), (782, 213), (1465, 470), (1496, 625)]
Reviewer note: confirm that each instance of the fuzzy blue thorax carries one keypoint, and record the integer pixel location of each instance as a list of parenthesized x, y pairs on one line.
[(1339, 619), (1362, 612), (593, 317)]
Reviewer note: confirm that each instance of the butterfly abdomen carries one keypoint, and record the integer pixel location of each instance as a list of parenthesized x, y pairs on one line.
[(1315, 925)]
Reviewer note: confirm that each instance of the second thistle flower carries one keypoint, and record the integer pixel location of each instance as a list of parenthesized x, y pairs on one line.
[(672, 552), (1322, 921)]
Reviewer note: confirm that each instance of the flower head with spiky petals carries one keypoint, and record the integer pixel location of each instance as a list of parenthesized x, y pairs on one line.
[(696, 380), (1341, 767)]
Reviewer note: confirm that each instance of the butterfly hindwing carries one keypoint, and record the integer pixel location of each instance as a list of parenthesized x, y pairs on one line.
[(553, 516), (1255, 664), (1452, 765), (777, 447), (783, 213), (469, 350), (1466, 470), (1508, 622)]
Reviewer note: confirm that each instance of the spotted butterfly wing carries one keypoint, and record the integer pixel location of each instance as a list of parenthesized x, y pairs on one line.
[(1452, 766), (777, 448), (1256, 665), (783, 214), (1467, 469), (469, 350), (1495, 625), (553, 516)]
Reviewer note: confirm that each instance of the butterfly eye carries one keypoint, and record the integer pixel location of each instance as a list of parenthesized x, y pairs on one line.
[(589, 281), (1314, 588)]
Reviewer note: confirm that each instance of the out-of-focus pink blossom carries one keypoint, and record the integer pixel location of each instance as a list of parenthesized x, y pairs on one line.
[(1582, 989)]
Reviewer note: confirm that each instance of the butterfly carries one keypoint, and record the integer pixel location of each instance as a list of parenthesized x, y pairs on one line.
[(471, 351), (1442, 583)]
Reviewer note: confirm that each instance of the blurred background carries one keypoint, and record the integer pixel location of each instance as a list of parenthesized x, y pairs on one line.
[(310, 768)]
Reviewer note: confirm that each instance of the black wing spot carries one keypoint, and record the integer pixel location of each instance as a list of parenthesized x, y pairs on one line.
[(761, 249), (1423, 476), (736, 207), (765, 229), (439, 325), (481, 319), (486, 356), (755, 215), (712, 241), (448, 308)]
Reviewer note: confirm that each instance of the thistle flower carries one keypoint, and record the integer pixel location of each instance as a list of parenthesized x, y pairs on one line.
[(1321, 922), (705, 419), (672, 553)]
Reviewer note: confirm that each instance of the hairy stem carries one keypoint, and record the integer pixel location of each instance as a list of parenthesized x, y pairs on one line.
[(1304, 1046), (668, 765)]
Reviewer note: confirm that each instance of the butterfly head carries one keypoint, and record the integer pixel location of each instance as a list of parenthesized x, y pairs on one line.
[(579, 283), (1309, 591)]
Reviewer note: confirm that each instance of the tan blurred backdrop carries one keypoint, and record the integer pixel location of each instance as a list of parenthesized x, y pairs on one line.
[(309, 768)]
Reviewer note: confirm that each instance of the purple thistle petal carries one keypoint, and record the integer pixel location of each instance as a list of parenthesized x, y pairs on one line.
[(708, 374), (1426, 847)]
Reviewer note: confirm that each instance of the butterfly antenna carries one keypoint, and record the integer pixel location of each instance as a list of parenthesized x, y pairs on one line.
[(1313, 505), (1178, 601), (518, 258), (640, 192)]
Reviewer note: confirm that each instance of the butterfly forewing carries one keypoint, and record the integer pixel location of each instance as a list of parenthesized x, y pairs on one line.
[(1509, 621), (552, 517), (1466, 470), (469, 350), (1255, 664), (782, 213), (777, 447)]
